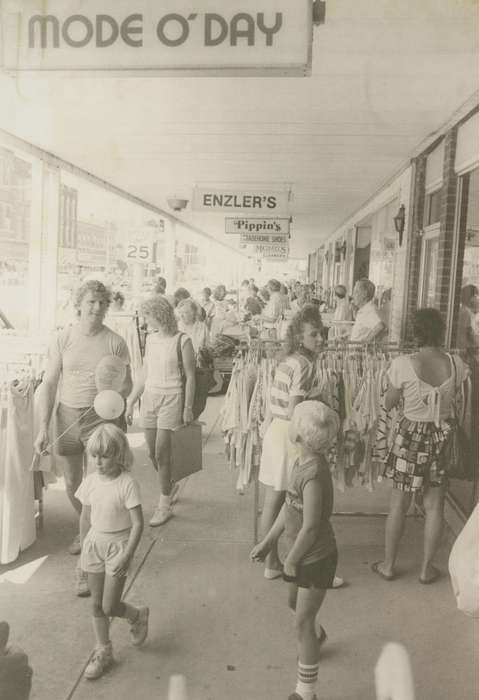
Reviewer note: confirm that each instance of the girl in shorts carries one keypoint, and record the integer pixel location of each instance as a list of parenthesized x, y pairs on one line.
[(111, 524), (167, 401), (311, 563)]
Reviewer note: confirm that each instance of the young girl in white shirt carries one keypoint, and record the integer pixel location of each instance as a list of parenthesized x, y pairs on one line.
[(111, 524)]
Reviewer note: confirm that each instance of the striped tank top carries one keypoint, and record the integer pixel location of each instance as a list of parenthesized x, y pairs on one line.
[(294, 376)]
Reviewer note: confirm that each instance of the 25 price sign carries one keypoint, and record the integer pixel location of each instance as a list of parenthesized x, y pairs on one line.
[(139, 253)]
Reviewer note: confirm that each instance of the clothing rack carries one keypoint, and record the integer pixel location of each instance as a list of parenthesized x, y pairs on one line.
[(255, 350), (135, 316)]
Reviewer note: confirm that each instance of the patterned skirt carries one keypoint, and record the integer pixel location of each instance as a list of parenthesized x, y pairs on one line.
[(414, 460)]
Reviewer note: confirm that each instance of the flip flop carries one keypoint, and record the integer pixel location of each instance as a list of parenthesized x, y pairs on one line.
[(386, 577), (435, 576)]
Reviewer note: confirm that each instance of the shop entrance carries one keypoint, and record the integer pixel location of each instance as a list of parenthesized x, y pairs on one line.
[(362, 256), (465, 326)]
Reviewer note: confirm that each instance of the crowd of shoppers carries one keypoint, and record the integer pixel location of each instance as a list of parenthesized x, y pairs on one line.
[(298, 490)]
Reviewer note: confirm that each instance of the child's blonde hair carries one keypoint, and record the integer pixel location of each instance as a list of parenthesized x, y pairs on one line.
[(315, 424), (109, 441)]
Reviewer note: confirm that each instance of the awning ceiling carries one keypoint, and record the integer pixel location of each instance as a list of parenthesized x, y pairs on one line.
[(385, 75)]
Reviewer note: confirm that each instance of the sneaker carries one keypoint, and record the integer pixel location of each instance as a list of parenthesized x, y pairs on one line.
[(174, 493), (161, 515), (75, 547), (101, 660), (81, 583), (139, 628), (338, 582)]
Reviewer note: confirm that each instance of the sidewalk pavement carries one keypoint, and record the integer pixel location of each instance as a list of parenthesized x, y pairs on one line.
[(216, 620)]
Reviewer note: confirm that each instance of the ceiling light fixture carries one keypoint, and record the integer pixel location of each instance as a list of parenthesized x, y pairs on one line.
[(177, 204)]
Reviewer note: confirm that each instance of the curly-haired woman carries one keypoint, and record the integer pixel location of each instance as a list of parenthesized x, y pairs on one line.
[(189, 317), (164, 407), (293, 381), (427, 381)]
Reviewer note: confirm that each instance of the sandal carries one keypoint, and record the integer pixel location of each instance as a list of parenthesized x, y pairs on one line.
[(436, 574), (377, 570)]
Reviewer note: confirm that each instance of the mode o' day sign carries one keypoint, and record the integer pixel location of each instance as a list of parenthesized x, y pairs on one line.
[(190, 36)]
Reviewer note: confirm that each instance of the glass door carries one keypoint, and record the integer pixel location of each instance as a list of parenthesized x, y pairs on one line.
[(429, 259)]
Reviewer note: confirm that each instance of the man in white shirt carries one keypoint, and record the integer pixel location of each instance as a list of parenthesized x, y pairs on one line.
[(368, 326)]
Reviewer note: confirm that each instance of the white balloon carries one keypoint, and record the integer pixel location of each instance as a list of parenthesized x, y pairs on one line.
[(109, 404)]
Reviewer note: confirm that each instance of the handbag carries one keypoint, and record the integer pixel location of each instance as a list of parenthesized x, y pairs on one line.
[(457, 454), (186, 451), (203, 382)]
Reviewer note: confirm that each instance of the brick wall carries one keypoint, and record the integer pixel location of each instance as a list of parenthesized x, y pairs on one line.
[(448, 217), (413, 251)]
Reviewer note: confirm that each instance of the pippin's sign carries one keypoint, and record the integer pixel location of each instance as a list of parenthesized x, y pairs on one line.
[(179, 36)]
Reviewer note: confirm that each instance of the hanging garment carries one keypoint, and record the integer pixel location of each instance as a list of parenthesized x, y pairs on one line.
[(17, 507)]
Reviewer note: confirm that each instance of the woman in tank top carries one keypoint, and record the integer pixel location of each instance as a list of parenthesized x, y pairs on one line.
[(165, 405)]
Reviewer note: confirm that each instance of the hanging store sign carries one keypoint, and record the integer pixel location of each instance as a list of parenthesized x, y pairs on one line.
[(273, 252), (232, 37), (266, 202), (261, 238), (258, 226)]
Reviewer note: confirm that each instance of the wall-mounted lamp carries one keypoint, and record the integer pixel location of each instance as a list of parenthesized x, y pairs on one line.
[(400, 222)]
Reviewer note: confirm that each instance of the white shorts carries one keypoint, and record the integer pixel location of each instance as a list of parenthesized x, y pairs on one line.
[(278, 455), (161, 411), (101, 551)]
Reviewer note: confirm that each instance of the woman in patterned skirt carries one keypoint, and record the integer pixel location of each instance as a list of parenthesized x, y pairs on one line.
[(427, 382)]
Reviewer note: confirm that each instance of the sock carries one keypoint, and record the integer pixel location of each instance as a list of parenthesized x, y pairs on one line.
[(165, 501), (307, 681), (131, 613)]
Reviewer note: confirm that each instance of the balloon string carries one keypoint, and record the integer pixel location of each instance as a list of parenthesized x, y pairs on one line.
[(66, 431)]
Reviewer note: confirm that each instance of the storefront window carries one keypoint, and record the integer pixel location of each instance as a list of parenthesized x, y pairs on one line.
[(429, 271), (15, 232), (432, 209), (467, 322)]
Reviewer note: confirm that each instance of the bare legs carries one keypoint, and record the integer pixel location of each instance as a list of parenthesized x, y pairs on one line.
[(73, 475), (434, 507), (159, 449), (106, 594), (400, 502), (273, 502), (307, 605)]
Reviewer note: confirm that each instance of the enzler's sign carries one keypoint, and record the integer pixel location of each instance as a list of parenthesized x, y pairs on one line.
[(252, 225), (253, 202), (179, 36)]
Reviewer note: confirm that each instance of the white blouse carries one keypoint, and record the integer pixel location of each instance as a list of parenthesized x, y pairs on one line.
[(422, 401)]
